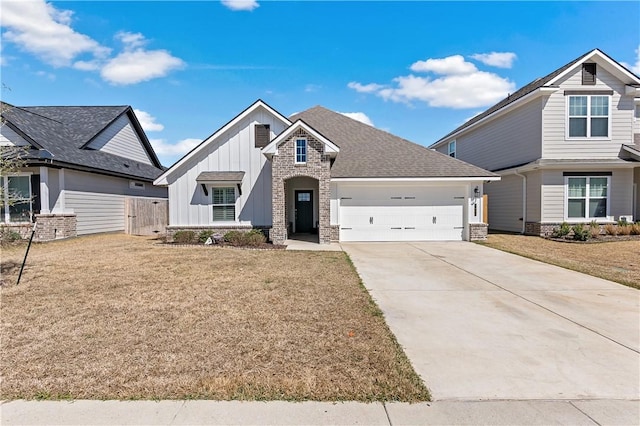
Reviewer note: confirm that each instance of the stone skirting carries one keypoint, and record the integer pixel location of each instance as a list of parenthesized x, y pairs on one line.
[(478, 231), (546, 229), (55, 226), (335, 233), (171, 230)]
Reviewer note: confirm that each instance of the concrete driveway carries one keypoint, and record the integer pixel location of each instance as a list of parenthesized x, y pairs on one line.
[(478, 323)]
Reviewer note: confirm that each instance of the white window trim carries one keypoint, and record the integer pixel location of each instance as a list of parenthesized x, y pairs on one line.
[(449, 151), (607, 218), (306, 150), (234, 204), (7, 214), (587, 138)]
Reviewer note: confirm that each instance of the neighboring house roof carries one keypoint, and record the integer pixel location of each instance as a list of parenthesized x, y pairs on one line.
[(368, 152), (59, 135), (546, 81)]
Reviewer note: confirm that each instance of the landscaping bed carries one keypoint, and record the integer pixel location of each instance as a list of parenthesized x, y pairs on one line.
[(615, 258), (122, 317)]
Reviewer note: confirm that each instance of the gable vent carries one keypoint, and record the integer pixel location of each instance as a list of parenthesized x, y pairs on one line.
[(262, 135), (589, 74)]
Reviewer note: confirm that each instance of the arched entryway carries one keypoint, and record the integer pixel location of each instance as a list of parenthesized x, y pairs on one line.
[(302, 200)]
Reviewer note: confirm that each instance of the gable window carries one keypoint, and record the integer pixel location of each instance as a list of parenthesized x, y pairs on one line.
[(587, 197), (16, 198), (224, 204), (588, 116), (452, 149), (589, 74), (301, 150)]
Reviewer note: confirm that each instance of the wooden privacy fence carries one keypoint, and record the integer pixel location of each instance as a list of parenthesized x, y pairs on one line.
[(485, 208), (145, 216)]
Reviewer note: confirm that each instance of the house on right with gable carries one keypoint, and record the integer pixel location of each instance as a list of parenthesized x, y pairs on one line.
[(567, 147)]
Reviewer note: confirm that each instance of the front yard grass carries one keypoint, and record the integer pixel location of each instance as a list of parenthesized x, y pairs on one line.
[(617, 261), (121, 317)]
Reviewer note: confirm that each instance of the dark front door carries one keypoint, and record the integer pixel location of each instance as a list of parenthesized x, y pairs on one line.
[(304, 211)]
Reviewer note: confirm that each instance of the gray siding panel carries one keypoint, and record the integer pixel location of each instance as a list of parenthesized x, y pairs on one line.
[(534, 184), (121, 139), (556, 144), (508, 141), (505, 203)]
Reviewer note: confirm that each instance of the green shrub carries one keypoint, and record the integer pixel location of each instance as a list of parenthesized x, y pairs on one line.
[(185, 237), (204, 235), (253, 238), (8, 235), (235, 238), (623, 222), (562, 231), (580, 232)]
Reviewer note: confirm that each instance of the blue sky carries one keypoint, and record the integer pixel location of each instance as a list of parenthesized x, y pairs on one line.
[(417, 69)]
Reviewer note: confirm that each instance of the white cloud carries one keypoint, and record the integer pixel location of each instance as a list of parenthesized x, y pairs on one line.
[(496, 59), (241, 4), (147, 121), (634, 67), (310, 88), (38, 28), (359, 116), (44, 31), (49, 76), (165, 149), (450, 65), (459, 84), (364, 88), (135, 64)]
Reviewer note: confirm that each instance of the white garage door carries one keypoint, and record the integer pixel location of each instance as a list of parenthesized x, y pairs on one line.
[(401, 214)]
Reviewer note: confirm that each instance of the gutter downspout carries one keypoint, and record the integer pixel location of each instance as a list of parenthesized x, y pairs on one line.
[(524, 201)]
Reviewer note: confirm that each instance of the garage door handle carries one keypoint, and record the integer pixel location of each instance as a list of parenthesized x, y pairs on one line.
[(346, 228), (371, 220), (409, 227), (397, 228), (434, 220)]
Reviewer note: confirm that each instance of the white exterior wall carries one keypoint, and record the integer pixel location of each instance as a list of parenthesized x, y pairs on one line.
[(233, 151), (505, 203), (121, 139), (557, 146), (507, 141), (554, 193)]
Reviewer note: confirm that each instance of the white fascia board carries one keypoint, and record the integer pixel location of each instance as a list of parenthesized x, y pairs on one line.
[(499, 113), (419, 179), (162, 179), (619, 69), (586, 165), (272, 148)]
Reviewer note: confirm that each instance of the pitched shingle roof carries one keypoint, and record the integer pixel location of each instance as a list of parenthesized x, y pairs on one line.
[(367, 152), (63, 131), (220, 177)]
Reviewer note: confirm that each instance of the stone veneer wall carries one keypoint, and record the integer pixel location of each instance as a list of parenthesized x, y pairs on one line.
[(283, 168), (478, 231), (335, 233), (546, 229), (49, 227)]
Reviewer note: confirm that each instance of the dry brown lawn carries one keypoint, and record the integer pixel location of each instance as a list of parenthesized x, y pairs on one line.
[(616, 261), (121, 317)]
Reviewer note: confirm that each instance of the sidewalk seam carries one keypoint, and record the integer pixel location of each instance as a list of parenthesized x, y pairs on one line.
[(588, 416), (177, 412), (387, 413)]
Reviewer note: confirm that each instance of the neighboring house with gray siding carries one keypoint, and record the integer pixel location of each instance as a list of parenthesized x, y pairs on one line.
[(320, 172), (81, 162), (567, 147)]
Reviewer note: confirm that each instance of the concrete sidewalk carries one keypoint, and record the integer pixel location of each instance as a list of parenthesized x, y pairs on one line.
[(532, 412)]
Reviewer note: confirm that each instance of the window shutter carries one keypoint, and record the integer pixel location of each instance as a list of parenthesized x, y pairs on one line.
[(589, 74), (262, 135)]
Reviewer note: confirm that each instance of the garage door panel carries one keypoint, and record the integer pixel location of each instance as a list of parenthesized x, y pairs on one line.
[(425, 214)]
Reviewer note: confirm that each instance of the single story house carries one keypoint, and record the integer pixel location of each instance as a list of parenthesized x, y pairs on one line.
[(79, 163), (324, 173)]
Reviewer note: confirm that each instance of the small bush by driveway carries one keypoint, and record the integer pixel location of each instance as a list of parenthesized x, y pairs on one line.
[(616, 261), (121, 317)]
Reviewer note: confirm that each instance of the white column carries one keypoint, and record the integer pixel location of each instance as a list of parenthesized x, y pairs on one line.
[(44, 191), (61, 186)]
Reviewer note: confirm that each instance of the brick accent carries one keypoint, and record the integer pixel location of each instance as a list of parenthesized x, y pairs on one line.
[(55, 226), (478, 231), (283, 168), (546, 229), (335, 233)]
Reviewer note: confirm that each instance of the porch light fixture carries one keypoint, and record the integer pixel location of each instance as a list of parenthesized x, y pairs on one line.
[(476, 192)]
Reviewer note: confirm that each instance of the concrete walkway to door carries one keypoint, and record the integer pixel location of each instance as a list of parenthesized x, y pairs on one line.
[(478, 323)]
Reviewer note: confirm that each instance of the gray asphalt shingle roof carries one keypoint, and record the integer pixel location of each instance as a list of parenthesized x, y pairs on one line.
[(368, 152), (220, 177), (65, 130)]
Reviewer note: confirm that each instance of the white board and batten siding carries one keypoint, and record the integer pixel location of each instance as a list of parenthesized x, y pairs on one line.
[(233, 150), (558, 146), (401, 212), (121, 139)]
